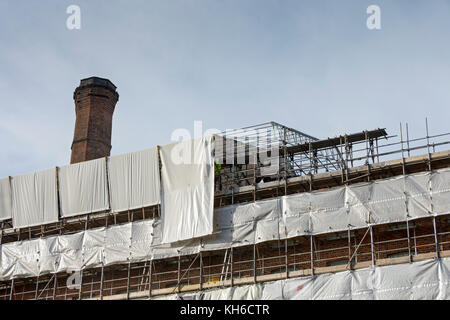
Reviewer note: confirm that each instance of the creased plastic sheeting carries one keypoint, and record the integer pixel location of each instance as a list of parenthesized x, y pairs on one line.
[(444, 272), (416, 281), (94, 247), (379, 202), (424, 280), (134, 180), (70, 252), (117, 244), (296, 218), (357, 206), (83, 188), (272, 290), (417, 191), (298, 289), (48, 255), (248, 292), (363, 284), (34, 199), (20, 259), (329, 212), (141, 240), (5, 199), (240, 225), (85, 249), (188, 189), (440, 190)]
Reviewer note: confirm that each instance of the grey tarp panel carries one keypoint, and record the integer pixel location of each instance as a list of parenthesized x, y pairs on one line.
[(440, 191), (134, 180), (83, 188), (34, 199)]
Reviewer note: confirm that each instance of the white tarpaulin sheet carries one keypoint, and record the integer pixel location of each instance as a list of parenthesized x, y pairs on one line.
[(440, 190), (85, 249), (188, 189), (34, 199), (83, 188), (5, 199), (134, 180)]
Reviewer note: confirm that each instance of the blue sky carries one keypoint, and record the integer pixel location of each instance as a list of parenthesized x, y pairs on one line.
[(312, 65)]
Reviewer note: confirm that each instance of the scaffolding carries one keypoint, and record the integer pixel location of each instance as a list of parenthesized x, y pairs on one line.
[(305, 164), (301, 256)]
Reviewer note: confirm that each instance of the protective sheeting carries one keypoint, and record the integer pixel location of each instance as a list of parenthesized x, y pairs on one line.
[(188, 196), (241, 225), (187, 174), (440, 191), (20, 259), (86, 249), (83, 188), (425, 280), (34, 199), (134, 180), (359, 205), (5, 199)]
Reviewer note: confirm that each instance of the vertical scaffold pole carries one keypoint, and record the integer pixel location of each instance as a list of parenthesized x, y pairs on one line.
[(179, 274), (254, 263), (36, 291), (349, 247), (436, 238), (81, 285), (347, 150), (55, 284), (415, 240), (409, 239), (428, 145), (407, 140), (367, 155), (310, 167), (372, 246), (231, 267), (101, 281), (233, 179), (128, 280), (12, 289), (403, 155), (286, 257), (201, 271), (150, 274)]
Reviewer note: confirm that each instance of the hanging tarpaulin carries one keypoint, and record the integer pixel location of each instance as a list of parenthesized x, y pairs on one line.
[(134, 180), (188, 189), (34, 199), (83, 188), (5, 199)]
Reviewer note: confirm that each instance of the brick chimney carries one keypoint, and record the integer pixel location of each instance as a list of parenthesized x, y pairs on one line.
[(95, 100)]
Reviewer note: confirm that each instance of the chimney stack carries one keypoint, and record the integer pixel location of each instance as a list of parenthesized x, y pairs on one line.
[(95, 100)]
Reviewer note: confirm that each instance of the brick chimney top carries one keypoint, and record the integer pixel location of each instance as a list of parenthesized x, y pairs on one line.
[(92, 82), (95, 100)]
